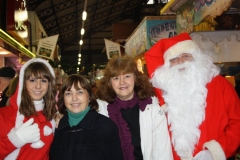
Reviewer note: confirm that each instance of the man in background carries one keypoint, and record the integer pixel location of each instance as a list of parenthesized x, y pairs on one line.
[(6, 75)]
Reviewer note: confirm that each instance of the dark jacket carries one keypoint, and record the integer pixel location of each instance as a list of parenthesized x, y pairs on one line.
[(96, 137)]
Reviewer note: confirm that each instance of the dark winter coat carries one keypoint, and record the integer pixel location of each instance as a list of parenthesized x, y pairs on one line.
[(96, 137)]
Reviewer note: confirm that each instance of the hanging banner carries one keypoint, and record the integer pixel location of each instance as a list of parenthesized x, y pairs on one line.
[(46, 47), (112, 48)]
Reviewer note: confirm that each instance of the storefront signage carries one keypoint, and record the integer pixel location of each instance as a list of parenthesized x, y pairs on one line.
[(148, 33), (17, 20)]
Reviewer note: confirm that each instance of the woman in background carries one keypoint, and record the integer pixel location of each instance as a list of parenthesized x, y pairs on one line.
[(82, 133), (12, 88)]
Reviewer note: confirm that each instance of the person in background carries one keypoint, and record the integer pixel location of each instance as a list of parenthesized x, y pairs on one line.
[(12, 88), (27, 124), (6, 75), (126, 96), (202, 106), (82, 133)]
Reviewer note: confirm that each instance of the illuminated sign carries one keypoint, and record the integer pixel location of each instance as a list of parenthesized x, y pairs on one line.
[(17, 20)]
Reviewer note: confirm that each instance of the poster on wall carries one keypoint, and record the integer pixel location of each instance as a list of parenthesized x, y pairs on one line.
[(112, 48), (46, 47)]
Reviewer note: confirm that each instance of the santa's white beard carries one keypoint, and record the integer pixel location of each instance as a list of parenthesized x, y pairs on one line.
[(184, 91)]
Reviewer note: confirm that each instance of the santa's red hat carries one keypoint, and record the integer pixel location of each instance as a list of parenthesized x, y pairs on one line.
[(166, 49)]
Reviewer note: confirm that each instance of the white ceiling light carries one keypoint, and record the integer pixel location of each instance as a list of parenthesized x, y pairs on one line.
[(82, 31), (84, 15), (81, 42)]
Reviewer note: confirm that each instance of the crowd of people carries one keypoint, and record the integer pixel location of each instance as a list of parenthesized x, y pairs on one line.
[(182, 109)]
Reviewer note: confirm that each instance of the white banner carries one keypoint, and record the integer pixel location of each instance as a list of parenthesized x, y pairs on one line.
[(46, 47), (112, 48)]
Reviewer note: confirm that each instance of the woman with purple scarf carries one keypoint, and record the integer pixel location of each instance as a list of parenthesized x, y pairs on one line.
[(126, 96)]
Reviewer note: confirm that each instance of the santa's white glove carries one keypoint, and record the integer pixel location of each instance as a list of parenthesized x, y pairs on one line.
[(203, 155), (26, 133)]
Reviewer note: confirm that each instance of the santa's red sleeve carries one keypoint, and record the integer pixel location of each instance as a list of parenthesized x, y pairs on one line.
[(222, 121)]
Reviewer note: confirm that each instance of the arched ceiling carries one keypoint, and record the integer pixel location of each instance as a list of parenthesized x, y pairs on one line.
[(64, 17)]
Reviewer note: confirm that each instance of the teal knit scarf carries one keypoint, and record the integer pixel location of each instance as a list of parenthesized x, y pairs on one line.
[(75, 118)]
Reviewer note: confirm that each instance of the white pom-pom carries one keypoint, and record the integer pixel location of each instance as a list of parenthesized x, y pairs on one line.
[(38, 144), (47, 131)]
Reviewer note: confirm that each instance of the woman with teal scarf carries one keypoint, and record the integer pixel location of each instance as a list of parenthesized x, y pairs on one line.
[(82, 133)]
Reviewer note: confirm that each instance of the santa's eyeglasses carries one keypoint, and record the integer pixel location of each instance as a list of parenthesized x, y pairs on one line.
[(181, 58)]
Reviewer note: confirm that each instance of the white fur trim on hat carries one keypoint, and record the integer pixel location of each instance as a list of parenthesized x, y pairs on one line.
[(187, 46), (216, 150), (21, 74)]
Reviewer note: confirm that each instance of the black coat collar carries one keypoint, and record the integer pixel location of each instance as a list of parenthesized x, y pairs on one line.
[(86, 122)]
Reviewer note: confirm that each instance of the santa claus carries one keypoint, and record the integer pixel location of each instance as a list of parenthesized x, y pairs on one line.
[(202, 107)]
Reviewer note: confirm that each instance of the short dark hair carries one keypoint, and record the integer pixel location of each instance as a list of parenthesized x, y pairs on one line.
[(8, 72)]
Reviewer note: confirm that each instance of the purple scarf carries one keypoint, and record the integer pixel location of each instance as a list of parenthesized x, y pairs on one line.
[(116, 116)]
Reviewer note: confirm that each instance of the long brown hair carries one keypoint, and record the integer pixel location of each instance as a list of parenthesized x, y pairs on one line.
[(75, 80), (123, 65), (39, 70)]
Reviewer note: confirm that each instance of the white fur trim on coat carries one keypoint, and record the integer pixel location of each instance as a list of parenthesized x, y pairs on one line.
[(12, 155), (216, 150), (187, 46)]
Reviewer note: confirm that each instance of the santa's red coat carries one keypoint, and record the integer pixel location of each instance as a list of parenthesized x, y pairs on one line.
[(222, 120)]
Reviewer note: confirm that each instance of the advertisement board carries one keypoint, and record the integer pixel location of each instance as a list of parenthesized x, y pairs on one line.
[(149, 31)]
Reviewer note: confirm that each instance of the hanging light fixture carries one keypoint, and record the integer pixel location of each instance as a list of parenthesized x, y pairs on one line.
[(81, 42), (84, 14), (82, 31)]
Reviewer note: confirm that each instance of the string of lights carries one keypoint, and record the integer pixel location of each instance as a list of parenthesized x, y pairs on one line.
[(82, 31)]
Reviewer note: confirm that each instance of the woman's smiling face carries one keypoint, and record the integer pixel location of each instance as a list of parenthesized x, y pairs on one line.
[(76, 100), (123, 85)]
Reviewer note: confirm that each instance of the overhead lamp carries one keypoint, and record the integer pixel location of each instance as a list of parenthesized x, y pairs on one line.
[(3, 52), (79, 55), (79, 63), (81, 42), (84, 15), (82, 31), (79, 59)]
